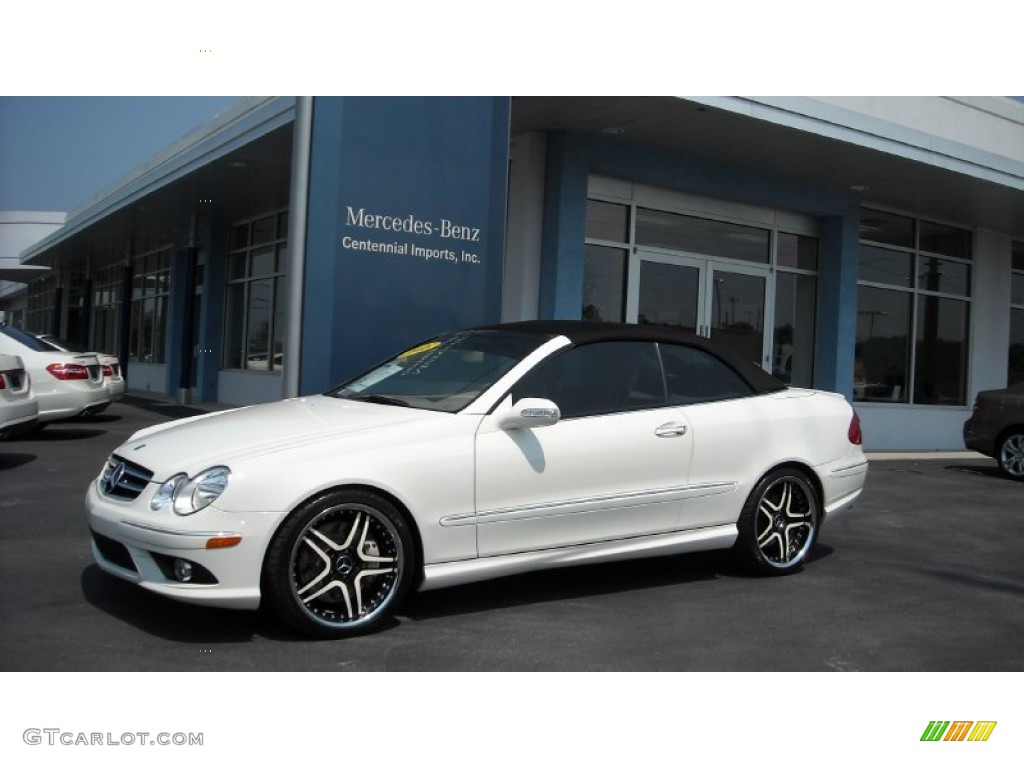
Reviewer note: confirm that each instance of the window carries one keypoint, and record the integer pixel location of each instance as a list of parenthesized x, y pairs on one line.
[(106, 309), (796, 309), (914, 284), (255, 323), (604, 267), (607, 221), (694, 376), (151, 290), (445, 374), (600, 378), (1015, 368), (604, 284), (42, 300), (676, 290), (661, 229), (75, 290)]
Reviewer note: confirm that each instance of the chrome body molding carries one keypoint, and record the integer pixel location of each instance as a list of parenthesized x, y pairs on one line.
[(172, 532), (462, 572), (857, 468), (592, 504)]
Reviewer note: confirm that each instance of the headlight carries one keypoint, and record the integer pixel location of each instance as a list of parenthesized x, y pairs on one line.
[(165, 493), (189, 496)]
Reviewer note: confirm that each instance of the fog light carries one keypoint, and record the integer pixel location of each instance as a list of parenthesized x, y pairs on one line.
[(182, 570)]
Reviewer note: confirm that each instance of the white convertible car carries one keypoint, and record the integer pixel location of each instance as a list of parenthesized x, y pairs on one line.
[(475, 455)]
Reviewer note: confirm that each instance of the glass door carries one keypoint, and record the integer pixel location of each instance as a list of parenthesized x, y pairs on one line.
[(725, 302), (737, 311), (666, 290)]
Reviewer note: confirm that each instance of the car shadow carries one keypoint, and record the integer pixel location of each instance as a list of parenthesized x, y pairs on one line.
[(99, 418), (182, 622), (56, 433), (12, 460), (983, 470), (168, 619)]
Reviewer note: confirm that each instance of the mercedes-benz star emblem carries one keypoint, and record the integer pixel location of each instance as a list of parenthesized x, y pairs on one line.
[(114, 477)]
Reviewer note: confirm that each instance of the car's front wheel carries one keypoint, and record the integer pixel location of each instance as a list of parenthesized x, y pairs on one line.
[(339, 565), (1011, 455), (779, 522)]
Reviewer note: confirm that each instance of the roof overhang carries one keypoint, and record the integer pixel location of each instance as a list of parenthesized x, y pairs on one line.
[(22, 273), (888, 165), (235, 165)]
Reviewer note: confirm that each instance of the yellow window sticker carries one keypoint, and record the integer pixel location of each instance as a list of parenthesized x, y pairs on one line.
[(420, 349)]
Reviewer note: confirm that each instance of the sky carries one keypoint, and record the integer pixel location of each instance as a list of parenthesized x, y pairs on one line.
[(58, 152)]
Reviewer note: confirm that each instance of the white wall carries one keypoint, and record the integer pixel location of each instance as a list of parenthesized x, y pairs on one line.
[(989, 123), (19, 230), (917, 428), (990, 326), (146, 377), (245, 388), (520, 292)]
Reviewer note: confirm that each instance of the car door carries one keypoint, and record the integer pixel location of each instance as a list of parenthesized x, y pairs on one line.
[(615, 465)]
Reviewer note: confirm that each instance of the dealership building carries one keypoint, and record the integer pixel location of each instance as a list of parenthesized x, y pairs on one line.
[(873, 246)]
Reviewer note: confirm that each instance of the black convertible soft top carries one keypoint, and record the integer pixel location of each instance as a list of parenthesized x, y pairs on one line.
[(581, 332)]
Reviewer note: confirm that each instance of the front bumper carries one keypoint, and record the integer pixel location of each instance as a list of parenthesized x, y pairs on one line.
[(134, 543)]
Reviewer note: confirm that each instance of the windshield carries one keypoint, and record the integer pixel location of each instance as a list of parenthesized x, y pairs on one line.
[(58, 343), (27, 339), (443, 374)]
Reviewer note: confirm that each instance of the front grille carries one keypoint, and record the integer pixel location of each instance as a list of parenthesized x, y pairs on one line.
[(114, 552), (123, 479)]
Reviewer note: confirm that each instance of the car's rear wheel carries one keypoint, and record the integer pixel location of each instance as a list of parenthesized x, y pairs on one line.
[(339, 565), (779, 522), (1011, 455)]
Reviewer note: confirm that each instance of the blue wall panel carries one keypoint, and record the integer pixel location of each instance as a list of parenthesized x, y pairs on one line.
[(405, 228)]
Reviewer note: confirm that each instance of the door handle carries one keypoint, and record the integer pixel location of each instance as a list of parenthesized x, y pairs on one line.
[(671, 429)]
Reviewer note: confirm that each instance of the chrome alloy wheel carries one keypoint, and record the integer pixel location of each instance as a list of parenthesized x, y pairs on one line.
[(786, 521), (1011, 455), (345, 565)]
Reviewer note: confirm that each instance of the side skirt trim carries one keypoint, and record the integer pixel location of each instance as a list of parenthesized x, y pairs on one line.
[(442, 575)]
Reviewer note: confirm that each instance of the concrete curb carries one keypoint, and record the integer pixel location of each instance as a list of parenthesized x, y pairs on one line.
[(912, 456)]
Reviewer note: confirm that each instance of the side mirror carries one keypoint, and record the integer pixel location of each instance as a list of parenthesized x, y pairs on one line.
[(530, 412)]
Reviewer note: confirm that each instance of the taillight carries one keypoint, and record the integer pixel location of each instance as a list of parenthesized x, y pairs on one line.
[(854, 433), (108, 371), (3, 381), (68, 371)]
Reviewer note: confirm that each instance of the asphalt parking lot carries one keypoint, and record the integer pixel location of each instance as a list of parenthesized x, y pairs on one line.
[(926, 573)]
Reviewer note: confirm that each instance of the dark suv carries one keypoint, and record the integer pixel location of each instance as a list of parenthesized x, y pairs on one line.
[(996, 428)]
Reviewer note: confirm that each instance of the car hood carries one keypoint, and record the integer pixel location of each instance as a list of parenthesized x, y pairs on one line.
[(196, 443)]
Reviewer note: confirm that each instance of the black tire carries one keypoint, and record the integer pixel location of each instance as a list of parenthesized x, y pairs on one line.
[(1010, 454), (339, 565), (779, 522)]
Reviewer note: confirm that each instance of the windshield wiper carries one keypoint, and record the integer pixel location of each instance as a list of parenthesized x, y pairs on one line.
[(382, 400)]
